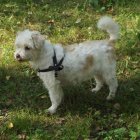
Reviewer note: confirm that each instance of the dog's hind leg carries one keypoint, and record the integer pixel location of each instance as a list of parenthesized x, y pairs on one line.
[(99, 83), (112, 82)]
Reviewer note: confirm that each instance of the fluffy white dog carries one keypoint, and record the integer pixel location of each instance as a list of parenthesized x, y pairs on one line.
[(57, 65)]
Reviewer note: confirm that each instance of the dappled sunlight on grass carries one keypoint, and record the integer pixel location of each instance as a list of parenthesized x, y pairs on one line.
[(82, 114)]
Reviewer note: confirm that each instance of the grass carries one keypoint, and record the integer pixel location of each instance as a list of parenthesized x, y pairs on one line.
[(82, 115)]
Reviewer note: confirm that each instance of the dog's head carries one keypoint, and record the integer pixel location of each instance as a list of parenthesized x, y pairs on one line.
[(28, 45)]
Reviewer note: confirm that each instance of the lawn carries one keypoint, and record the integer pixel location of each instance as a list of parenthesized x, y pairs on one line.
[(82, 115)]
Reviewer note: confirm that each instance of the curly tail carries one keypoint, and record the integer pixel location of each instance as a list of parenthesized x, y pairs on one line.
[(106, 23)]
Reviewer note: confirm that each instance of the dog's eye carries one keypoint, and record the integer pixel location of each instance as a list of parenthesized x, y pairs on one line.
[(27, 48)]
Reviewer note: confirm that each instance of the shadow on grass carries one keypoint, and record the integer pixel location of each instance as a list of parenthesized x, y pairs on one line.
[(20, 88), (82, 101), (19, 91)]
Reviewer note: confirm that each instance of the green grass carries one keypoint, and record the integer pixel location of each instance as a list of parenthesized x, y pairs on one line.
[(82, 115)]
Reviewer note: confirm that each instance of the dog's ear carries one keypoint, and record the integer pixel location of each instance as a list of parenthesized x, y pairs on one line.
[(19, 32), (38, 39)]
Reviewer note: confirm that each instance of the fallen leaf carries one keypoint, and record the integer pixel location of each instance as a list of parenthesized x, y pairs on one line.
[(66, 14), (43, 96), (30, 13), (22, 136), (60, 121), (111, 10), (78, 20), (7, 77), (117, 106), (51, 21), (97, 113), (10, 125), (131, 89), (98, 128)]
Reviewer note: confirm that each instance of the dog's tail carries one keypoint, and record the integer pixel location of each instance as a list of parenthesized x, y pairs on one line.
[(106, 23)]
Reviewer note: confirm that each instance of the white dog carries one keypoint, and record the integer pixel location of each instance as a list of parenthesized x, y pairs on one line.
[(57, 65)]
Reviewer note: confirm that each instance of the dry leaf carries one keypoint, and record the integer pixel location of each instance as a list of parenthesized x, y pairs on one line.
[(22, 136), (43, 96), (117, 106), (30, 13), (60, 121), (7, 77), (78, 20), (10, 125), (131, 89), (51, 21)]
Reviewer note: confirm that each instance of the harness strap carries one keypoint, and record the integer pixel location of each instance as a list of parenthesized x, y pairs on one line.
[(57, 66)]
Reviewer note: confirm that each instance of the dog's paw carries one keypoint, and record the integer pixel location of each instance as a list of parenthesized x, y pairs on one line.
[(51, 110), (94, 90), (110, 97)]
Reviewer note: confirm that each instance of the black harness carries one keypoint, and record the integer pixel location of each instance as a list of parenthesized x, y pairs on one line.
[(57, 66)]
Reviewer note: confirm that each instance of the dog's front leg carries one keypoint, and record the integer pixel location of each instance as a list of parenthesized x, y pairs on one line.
[(54, 88), (56, 95)]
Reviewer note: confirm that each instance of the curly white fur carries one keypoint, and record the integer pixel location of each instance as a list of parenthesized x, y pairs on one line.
[(107, 24), (82, 61)]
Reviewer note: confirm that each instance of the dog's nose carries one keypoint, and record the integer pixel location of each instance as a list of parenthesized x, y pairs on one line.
[(18, 56)]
